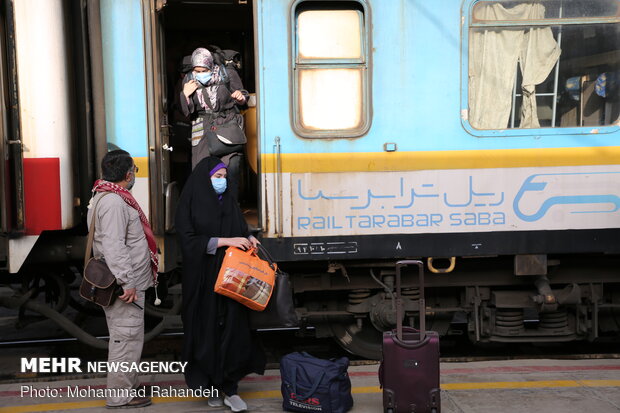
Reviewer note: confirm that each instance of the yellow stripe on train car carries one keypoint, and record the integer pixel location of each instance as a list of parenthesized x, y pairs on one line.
[(437, 160), (143, 166)]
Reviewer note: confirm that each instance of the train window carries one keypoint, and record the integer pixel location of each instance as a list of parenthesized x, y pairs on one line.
[(333, 35), (330, 62), (317, 87), (544, 64)]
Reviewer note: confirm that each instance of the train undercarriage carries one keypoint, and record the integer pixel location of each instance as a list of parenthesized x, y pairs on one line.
[(482, 297), (503, 299)]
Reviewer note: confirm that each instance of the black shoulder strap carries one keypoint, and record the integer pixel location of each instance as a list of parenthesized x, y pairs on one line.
[(225, 78)]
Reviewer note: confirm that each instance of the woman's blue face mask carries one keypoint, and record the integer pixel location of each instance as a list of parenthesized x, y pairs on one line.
[(219, 185), (203, 77)]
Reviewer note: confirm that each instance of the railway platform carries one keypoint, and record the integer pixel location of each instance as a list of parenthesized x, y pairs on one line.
[(508, 386)]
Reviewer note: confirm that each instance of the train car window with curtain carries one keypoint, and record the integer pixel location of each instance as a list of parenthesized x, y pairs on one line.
[(553, 63), (330, 70)]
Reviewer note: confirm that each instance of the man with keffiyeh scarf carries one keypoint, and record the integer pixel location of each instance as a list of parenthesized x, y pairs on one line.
[(123, 237)]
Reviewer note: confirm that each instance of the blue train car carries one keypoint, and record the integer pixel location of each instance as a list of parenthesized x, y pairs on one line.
[(481, 136), (423, 135)]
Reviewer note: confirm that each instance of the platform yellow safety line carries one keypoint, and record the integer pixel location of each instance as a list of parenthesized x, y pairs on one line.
[(509, 385), (600, 383), (53, 406), (267, 394), (272, 394), (530, 384)]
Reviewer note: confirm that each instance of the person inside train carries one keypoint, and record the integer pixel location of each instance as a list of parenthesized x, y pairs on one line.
[(218, 344), (212, 96)]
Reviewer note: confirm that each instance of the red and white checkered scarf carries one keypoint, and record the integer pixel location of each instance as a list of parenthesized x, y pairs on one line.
[(106, 186)]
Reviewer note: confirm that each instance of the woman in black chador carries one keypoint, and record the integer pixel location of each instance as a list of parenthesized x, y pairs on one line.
[(218, 345)]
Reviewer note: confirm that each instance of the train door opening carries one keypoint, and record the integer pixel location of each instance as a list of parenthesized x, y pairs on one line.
[(11, 173), (185, 26)]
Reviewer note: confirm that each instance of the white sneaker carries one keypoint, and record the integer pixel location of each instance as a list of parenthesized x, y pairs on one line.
[(216, 401), (235, 403)]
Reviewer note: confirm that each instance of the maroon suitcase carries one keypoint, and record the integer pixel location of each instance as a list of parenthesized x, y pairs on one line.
[(409, 371)]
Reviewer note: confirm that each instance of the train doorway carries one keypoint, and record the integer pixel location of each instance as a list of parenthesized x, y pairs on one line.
[(179, 28)]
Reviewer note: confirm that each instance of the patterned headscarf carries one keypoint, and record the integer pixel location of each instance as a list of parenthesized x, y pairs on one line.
[(203, 58)]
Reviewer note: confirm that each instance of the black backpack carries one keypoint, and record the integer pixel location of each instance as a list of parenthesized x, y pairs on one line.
[(230, 59)]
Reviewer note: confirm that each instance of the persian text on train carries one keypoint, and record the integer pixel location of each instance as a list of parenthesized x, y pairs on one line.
[(75, 365)]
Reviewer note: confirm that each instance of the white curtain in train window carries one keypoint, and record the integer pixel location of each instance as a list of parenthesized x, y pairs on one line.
[(330, 98), (493, 57)]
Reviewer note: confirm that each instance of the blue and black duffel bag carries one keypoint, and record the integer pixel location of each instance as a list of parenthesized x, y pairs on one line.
[(310, 384)]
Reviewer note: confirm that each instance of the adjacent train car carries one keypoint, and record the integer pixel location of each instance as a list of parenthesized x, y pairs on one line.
[(480, 136)]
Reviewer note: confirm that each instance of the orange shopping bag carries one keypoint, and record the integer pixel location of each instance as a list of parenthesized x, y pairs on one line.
[(246, 278)]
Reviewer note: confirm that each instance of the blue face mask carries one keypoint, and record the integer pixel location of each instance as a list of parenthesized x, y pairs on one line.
[(219, 184), (203, 77), (131, 183)]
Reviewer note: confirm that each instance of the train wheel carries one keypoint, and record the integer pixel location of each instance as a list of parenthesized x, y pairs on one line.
[(365, 341)]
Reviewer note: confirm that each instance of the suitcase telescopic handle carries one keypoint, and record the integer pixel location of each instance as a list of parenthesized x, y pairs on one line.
[(399, 300)]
